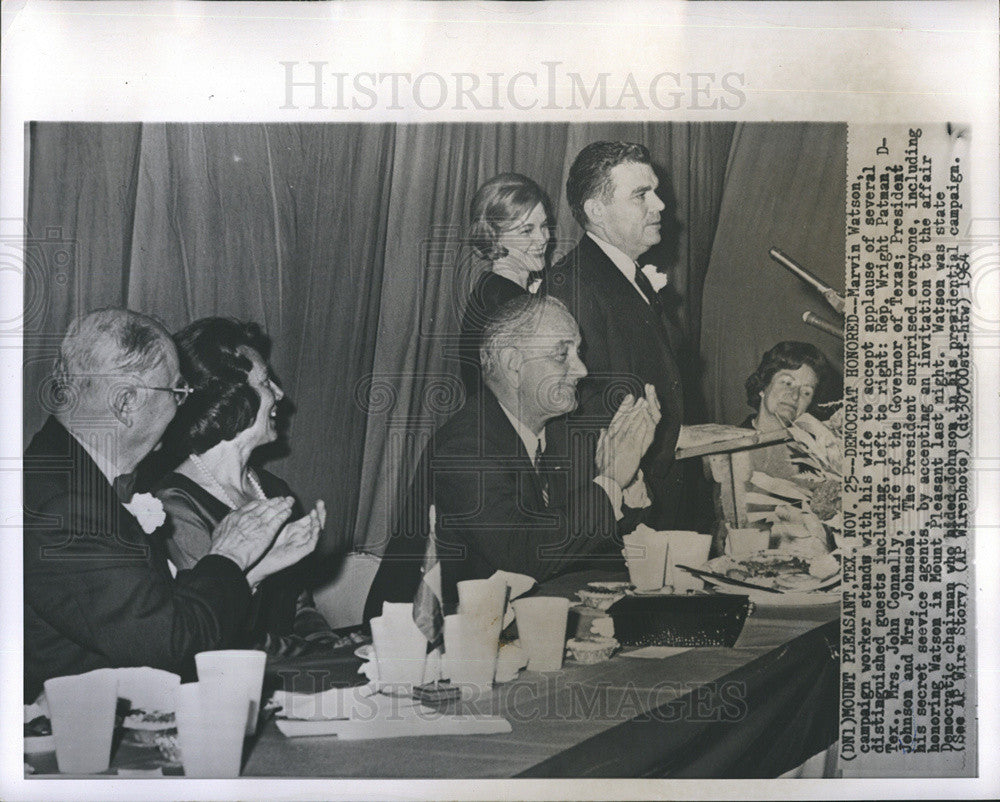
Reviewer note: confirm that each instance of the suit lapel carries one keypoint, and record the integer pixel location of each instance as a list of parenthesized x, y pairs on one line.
[(622, 296), (101, 506), (503, 440)]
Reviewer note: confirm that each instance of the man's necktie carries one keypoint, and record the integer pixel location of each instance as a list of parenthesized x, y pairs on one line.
[(124, 485), (539, 469), (647, 289)]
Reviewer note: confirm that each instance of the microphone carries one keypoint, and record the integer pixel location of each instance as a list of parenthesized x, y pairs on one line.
[(835, 299), (817, 322)]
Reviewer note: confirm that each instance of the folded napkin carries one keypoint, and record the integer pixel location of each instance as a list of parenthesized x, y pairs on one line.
[(519, 585), (511, 658)]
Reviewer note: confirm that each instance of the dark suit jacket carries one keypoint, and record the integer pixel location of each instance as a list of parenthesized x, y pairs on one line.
[(490, 293), (625, 345), (97, 591), (490, 510)]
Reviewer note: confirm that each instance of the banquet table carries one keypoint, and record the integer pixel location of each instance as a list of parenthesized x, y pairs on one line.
[(757, 709)]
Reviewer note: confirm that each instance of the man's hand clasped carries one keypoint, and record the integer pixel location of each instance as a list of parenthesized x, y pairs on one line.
[(622, 445)]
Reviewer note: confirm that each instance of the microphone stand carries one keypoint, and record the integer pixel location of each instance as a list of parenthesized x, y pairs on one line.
[(832, 297)]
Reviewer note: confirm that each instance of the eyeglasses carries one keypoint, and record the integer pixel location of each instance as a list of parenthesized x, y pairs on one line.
[(180, 392)]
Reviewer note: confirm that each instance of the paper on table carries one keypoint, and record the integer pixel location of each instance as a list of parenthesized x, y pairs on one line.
[(362, 703), (398, 726), (656, 652), (706, 433)]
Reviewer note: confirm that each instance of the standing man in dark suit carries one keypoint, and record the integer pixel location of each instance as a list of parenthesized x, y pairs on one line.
[(627, 335), (511, 491), (98, 590)]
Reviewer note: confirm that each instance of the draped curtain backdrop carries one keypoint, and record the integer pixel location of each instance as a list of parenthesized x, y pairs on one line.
[(344, 242), (784, 189)]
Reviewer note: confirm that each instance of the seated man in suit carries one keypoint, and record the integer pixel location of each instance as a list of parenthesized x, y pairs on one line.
[(504, 473), (628, 336), (98, 591)]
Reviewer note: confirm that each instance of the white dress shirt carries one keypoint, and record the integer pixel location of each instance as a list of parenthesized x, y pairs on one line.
[(627, 267), (531, 445)]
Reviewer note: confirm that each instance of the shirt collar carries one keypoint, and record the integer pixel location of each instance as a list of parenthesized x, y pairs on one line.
[(105, 465), (123, 483), (626, 265), (622, 262), (527, 436)]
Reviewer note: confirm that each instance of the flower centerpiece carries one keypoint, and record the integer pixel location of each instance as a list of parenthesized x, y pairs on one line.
[(817, 447)]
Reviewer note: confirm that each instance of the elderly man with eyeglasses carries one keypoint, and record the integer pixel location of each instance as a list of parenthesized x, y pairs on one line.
[(98, 590)]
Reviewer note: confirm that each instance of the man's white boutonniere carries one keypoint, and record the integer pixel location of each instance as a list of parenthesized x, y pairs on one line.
[(147, 510), (656, 278)]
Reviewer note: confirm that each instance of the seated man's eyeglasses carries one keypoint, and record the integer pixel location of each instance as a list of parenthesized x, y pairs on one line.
[(180, 392)]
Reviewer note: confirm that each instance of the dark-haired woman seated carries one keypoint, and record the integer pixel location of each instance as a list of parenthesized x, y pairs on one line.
[(783, 387), (231, 411), (509, 230)]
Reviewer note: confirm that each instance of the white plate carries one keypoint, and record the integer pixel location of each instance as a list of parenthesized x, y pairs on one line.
[(720, 565), (615, 587), (794, 599), (666, 590), (791, 598)]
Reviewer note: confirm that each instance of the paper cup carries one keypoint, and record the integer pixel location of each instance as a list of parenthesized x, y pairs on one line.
[(483, 600), (743, 543), (400, 653), (241, 668), (470, 652), (686, 548), (482, 604), (646, 559), (211, 723), (149, 689), (541, 628), (82, 712)]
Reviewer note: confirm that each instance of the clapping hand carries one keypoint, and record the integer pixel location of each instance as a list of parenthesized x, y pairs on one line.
[(621, 446), (245, 534), (294, 542)]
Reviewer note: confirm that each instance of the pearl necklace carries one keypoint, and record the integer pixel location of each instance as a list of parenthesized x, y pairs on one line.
[(221, 492)]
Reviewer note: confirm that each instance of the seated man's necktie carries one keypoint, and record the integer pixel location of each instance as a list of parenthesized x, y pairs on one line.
[(541, 473)]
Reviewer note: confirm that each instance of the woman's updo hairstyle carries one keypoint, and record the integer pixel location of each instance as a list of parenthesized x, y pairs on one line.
[(497, 206), (214, 362), (789, 355)]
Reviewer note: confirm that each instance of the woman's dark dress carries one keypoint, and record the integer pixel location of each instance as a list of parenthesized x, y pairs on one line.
[(192, 515)]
